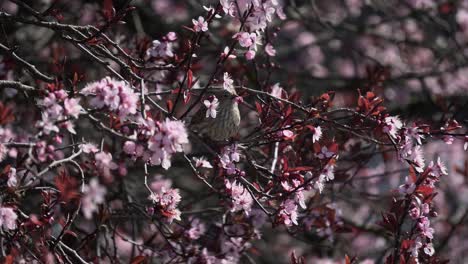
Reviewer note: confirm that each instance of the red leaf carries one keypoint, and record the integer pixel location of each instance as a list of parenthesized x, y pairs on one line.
[(108, 10), (301, 168), (67, 187), (169, 105), (347, 260), (189, 78), (259, 107), (412, 174), (425, 190), (9, 259), (138, 260)]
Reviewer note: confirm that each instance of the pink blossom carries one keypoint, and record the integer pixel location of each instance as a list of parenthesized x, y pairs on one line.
[(413, 132), (448, 139), (211, 107), (197, 229), (429, 249), (425, 228), (392, 126), (93, 195), (277, 91), (200, 24), (240, 197), (161, 49), (226, 52), (167, 140), (288, 214), (166, 201), (250, 55), (171, 36), (105, 164), (118, 96), (89, 148), (316, 134), (270, 50), (228, 83), (202, 163), (246, 39), (229, 156), (437, 169), (408, 187), (7, 218), (72, 107), (325, 153), (229, 7), (12, 179), (414, 249)]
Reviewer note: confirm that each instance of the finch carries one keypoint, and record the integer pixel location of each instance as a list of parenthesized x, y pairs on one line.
[(225, 123)]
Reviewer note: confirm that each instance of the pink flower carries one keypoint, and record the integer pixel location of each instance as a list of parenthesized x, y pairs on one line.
[(171, 36), (229, 156), (437, 169), (413, 132), (277, 91), (240, 197), (89, 148), (429, 249), (118, 96), (129, 147), (12, 179), (200, 24), (166, 202), (270, 50), (228, 83), (105, 164), (167, 140), (197, 229), (448, 139), (7, 218), (226, 52), (161, 49), (316, 134), (246, 39), (425, 228), (392, 126), (93, 195), (250, 55), (211, 107), (229, 7), (202, 163), (72, 107), (325, 153), (288, 214)]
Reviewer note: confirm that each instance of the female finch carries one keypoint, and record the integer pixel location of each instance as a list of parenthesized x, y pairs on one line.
[(219, 119)]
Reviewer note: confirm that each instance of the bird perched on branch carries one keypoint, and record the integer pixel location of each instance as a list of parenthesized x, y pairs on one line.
[(219, 117)]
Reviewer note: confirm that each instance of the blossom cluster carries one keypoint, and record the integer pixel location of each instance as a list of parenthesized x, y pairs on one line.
[(117, 96), (58, 108), (158, 141)]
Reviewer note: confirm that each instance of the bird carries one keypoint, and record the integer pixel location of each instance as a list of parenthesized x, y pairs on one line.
[(227, 121)]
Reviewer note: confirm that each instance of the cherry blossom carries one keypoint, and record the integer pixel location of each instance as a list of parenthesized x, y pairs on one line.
[(211, 107), (240, 197), (8, 218), (202, 163), (325, 153), (93, 195), (228, 83), (200, 25), (161, 49), (165, 202)]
